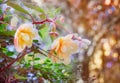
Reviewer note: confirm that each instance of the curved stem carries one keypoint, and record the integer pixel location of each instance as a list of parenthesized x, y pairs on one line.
[(20, 56)]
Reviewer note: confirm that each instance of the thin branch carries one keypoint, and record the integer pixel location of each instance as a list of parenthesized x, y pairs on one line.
[(5, 56), (20, 56), (42, 22), (40, 51), (40, 48), (31, 17)]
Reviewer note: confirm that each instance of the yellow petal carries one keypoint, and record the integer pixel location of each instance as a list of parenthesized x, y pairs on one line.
[(64, 47), (24, 36)]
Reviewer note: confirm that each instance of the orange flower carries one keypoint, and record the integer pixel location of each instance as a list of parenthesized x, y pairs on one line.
[(63, 47), (24, 36)]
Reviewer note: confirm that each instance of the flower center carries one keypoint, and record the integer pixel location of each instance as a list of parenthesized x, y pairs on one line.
[(25, 36)]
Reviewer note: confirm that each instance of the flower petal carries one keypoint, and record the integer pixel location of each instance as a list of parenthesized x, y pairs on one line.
[(24, 36)]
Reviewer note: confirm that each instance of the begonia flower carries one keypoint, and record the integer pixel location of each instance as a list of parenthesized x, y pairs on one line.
[(63, 47), (24, 36)]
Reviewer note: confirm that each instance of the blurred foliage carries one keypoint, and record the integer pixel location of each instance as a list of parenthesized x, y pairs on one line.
[(55, 72), (30, 68)]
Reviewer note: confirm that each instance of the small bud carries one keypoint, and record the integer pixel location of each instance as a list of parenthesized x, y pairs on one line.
[(79, 38), (14, 21), (55, 34), (61, 18), (75, 36)]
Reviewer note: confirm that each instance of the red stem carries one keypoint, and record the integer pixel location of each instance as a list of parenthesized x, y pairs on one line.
[(47, 20), (1, 18), (20, 56), (41, 22)]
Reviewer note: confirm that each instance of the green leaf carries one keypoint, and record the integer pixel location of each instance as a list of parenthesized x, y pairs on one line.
[(22, 16), (42, 26), (54, 12), (42, 16), (34, 7), (4, 50), (27, 65), (1, 1), (36, 58), (7, 18), (37, 66), (47, 60), (7, 33), (30, 55), (10, 53), (57, 11), (40, 34), (20, 77), (2, 27), (1, 11), (17, 7), (43, 32), (35, 41)]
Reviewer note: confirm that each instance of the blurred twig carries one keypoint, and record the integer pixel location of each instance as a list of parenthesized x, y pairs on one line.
[(20, 56)]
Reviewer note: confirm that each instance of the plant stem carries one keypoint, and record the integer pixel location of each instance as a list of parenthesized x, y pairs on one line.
[(41, 22), (20, 56), (1, 18), (48, 20)]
